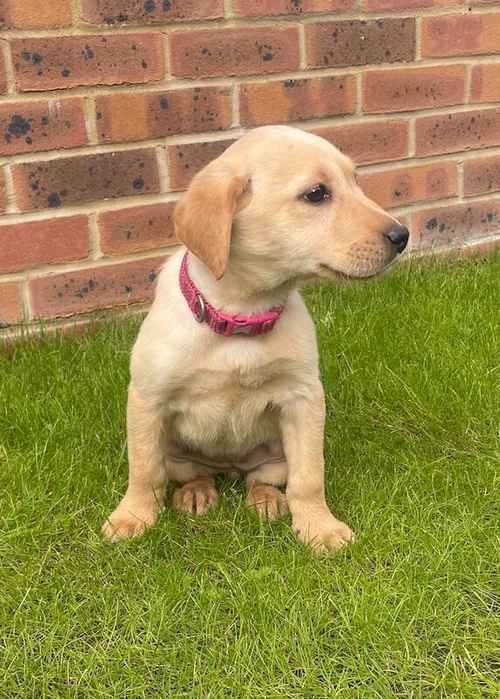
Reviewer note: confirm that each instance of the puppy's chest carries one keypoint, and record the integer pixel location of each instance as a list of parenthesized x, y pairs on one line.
[(229, 408)]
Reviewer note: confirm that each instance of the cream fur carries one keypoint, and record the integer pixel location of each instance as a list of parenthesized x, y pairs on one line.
[(234, 401)]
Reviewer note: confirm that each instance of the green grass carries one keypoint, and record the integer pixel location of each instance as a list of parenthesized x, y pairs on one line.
[(230, 607)]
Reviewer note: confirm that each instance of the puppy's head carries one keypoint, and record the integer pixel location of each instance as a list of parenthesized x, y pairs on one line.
[(286, 201)]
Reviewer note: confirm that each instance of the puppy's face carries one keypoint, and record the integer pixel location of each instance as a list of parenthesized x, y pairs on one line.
[(293, 206)]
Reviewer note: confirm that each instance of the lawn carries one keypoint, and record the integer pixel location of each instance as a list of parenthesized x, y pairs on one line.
[(228, 606)]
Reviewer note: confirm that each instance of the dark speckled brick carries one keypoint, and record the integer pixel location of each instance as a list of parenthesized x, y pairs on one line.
[(481, 175), (59, 62), (189, 158), (158, 114), (258, 50), (89, 289), (454, 224), (26, 127), (277, 101), (11, 307), (84, 178), (116, 12), (137, 228), (449, 133), (369, 142), (356, 42)]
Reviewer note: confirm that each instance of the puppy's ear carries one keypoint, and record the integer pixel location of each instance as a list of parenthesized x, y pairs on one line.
[(203, 218)]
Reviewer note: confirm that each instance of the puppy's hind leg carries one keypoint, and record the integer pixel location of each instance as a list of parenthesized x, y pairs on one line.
[(147, 474)]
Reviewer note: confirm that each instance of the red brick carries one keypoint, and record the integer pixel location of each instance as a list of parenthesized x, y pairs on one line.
[(35, 126), (449, 133), (369, 142), (101, 287), (407, 185), (189, 158), (406, 89), (116, 12), (485, 86), (3, 193), (292, 100), (67, 61), (26, 245), (33, 14), (356, 42), (262, 8), (159, 114), (84, 178), (3, 75), (481, 176), (11, 308), (210, 53), (458, 35), (137, 229), (454, 224), (400, 5)]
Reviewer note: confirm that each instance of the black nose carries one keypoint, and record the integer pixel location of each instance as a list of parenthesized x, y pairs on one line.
[(398, 235)]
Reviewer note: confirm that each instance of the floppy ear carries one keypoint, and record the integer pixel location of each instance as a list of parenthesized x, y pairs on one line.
[(203, 218)]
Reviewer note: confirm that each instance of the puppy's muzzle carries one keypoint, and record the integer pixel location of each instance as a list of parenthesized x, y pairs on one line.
[(398, 236)]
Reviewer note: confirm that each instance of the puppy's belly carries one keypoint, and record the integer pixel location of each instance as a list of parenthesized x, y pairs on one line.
[(226, 430)]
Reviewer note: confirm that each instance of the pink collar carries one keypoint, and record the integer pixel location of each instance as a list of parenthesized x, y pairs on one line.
[(224, 323)]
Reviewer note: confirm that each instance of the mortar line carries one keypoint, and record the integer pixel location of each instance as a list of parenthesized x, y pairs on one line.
[(468, 83), (76, 12), (90, 120), (94, 237), (412, 137), (235, 104), (302, 47), (460, 180), (167, 60), (418, 38), (9, 68), (359, 94), (10, 196), (163, 169)]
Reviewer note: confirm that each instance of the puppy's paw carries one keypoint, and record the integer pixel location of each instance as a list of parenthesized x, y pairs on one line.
[(128, 522), (196, 497), (321, 530), (267, 501)]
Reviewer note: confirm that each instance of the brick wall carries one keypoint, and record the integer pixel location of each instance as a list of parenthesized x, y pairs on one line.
[(108, 107)]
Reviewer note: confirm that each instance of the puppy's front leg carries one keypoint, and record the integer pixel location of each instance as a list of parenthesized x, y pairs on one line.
[(302, 426), (147, 477)]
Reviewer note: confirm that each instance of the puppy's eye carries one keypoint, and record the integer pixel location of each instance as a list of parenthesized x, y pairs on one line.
[(317, 194)]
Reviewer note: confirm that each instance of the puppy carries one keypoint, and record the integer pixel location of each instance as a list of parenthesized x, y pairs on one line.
[(224, 373)]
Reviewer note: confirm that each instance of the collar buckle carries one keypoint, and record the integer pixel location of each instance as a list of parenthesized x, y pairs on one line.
[(200, 310)]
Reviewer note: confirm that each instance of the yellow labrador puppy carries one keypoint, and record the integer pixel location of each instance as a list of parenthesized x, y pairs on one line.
[(224, 373)]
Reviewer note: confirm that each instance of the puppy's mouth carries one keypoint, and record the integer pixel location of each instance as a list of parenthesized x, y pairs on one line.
[(327, 272)]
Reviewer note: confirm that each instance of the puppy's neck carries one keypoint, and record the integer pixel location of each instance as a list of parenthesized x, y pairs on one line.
[(240, 290)]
